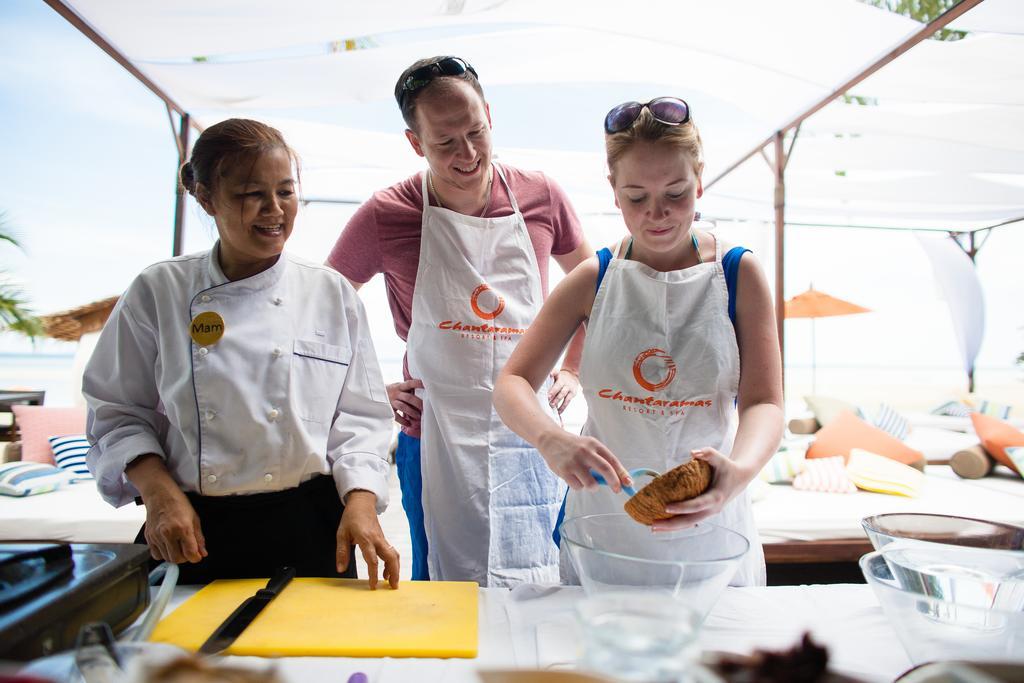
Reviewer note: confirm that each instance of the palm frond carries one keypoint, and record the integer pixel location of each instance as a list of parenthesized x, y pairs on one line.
[(4, 234), (15, 316)]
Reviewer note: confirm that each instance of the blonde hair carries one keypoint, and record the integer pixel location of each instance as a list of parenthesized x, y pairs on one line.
[(646, 128)]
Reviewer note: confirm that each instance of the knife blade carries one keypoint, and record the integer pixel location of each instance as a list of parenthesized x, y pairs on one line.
[(234, 625)]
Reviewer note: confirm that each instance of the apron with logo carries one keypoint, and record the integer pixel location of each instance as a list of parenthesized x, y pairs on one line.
[(489, 500), (660, 373)]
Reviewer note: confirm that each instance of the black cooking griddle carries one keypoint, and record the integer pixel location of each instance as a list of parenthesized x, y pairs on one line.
[(48, 591)]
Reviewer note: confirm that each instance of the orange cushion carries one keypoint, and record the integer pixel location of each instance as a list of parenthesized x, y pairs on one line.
[(996, 436), (847, 431), (36, 424)]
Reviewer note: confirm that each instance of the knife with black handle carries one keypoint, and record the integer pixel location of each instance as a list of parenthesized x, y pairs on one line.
[(240, 619)]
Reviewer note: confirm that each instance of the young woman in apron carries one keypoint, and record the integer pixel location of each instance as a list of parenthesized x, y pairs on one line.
[(672, 317)]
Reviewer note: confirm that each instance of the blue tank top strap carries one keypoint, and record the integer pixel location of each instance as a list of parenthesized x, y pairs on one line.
[(604, 257), (731, 266)]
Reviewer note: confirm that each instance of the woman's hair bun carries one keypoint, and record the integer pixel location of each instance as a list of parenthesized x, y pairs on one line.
[(187, 177)]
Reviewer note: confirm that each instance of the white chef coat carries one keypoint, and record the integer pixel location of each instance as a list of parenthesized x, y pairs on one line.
[(291, 390)]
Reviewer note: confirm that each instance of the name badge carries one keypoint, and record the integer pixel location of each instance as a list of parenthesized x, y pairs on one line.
[(206, 328)]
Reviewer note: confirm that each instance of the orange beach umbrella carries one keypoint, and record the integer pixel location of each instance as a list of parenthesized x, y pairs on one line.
[(814, 304)]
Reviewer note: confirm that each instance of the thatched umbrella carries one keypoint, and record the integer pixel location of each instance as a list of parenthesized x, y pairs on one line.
[(70, 325)]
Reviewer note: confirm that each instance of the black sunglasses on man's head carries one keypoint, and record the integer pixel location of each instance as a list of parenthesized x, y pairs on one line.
[(421, 77)]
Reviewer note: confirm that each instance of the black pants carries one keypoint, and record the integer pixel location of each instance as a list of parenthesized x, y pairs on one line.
[(251, 536)]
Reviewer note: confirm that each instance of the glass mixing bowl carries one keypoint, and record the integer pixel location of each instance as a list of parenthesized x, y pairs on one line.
[(946, 529), (612, 552), (933, 628), (637, 635), (977, 577)]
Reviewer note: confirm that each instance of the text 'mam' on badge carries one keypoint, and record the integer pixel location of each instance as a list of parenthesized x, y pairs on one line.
[(206, 328)]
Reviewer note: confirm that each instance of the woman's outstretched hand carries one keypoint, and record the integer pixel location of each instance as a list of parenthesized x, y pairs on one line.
[(727, 481), (572, 458), (173, 532), (360, 527)]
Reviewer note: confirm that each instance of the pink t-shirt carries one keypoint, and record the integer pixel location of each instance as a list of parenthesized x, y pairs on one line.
[(383, 236)]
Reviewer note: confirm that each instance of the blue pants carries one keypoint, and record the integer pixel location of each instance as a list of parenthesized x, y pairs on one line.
[(410, 477)]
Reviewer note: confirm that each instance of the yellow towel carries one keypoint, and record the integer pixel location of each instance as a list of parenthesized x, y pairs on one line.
[(877, 473)]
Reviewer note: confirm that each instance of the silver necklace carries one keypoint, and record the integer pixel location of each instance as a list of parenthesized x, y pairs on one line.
[(437, 197)]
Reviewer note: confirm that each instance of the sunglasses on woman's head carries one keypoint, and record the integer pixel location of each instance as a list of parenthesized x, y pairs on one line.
[(671, 111), (421, 77)]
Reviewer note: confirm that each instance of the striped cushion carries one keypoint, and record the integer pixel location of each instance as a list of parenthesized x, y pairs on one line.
[(1016, 456), (29, 478), (783, 466), (891, 422), (952, 409), (69, 453), (993, 409), (825, 474)]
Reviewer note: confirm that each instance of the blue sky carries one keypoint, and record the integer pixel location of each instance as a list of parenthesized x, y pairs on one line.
[(87, 181), (88, 178)]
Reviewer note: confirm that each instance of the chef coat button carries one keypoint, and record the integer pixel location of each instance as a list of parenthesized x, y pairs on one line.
[(211, 478), (210, 415), (205, 298), (203, 351), (268, 478), (277, 352), (277, 301), (274, 414)]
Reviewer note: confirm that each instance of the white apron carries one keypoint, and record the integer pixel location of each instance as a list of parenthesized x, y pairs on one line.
[(664, 340), (489, 500)]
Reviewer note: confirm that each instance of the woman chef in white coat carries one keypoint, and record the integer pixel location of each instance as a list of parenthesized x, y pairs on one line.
[(672, 317), (236, 392)]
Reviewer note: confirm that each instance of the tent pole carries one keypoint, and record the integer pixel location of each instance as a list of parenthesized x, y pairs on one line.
[(179, 191), (973, 253), (73, 18), (780, 244)]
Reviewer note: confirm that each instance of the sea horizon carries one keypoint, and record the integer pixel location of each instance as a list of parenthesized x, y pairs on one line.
[(912, 388)]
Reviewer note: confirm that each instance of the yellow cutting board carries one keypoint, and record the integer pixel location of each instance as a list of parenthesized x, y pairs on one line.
[(335, 618)]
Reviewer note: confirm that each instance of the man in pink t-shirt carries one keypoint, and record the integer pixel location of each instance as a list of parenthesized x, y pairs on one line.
[(449, 125)]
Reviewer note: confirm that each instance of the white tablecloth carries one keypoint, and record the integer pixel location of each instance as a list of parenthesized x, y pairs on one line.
[(533, 626)]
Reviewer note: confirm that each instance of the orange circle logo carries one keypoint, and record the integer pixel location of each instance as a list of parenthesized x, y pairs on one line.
[(658, 354), (474, 301)]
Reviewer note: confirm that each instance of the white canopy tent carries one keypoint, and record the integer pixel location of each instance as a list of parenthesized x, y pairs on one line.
[(931, 139), (745, 66), (939, 144)]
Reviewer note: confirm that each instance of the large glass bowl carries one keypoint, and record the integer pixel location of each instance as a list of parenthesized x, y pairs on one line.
[(935, 629), (946, 529), (977, 577), (612, 552)]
